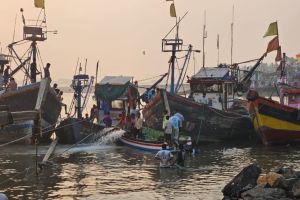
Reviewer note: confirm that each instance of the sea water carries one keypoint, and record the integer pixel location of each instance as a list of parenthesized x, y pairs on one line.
[(104, 170)]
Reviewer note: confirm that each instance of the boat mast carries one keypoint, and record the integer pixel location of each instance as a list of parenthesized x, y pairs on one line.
[(203, 39), (218, 48), (175, 44), (231, 48)]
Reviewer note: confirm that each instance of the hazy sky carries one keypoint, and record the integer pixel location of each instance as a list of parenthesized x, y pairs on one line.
[(116, 32)]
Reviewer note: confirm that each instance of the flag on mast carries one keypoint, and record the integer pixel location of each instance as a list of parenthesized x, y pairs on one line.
[(39, 3), (278, 56), (172, 10), (273, 45), (272, 30)]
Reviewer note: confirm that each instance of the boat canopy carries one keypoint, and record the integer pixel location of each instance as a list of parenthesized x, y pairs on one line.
[(114, 87), (213, 73)]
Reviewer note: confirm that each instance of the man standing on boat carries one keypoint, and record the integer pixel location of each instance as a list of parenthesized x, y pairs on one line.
[(164, 156), (47, 71), (33, 72)]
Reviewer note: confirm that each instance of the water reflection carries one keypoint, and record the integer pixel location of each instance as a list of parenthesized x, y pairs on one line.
[(113, 172)]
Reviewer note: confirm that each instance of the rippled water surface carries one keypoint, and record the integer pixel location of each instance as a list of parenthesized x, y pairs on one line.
[(113, 172)]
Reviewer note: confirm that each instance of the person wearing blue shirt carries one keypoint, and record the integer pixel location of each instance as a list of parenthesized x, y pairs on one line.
[(175, 126)]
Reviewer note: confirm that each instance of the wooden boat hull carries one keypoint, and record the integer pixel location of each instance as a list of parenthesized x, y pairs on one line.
[(72, 130), (24, 99), (141, 145), (274, 123), (203, 123)]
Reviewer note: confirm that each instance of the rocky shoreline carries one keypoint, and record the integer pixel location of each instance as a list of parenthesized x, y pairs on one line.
[(252, 184)]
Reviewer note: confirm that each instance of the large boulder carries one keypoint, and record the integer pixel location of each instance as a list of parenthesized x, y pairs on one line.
[(296, 189), (244, 181), (261, 193), (287, 172), (273, 180)]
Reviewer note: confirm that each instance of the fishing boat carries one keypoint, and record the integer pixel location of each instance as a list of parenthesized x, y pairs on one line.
[(25, 97), (274, 122), (75, 128), (151, 140), (203, 123), (277, 122), (121, 96), (151, 146), (211, 121)]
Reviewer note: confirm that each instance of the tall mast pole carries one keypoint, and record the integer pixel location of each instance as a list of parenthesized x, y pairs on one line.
[(231, 52), (203, 42), (174, 49), (218, 47)]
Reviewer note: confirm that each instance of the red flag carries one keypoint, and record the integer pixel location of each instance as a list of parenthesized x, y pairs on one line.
[(280, 66), (278, 57), (273, 45)]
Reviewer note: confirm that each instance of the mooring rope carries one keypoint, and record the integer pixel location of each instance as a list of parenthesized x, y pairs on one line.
[(19, 139)]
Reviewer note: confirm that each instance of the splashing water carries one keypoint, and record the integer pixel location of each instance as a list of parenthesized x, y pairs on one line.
[(110, 137)]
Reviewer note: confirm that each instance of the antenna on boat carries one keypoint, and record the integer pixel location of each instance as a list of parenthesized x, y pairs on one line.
[(97, 68), (85, 66), (203, 39), (218, 48), (231, 48)]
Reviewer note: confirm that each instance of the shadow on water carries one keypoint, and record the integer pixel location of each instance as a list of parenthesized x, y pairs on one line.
[(107, 171)]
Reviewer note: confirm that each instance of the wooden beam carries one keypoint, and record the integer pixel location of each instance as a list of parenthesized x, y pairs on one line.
[(50, 151), (24, 115), (43, 90), (5, 118)]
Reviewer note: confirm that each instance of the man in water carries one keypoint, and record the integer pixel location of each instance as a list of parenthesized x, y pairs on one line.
[(165, 156), (180, 156)]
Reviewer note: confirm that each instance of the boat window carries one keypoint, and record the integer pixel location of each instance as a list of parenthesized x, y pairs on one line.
[(211, 88), (117, 105)]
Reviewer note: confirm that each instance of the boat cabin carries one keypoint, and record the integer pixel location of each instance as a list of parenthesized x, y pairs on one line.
[(118, 95), (290, 97), (216, 84)]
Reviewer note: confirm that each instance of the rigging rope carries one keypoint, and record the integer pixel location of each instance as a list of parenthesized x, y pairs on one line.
[(146, 79)]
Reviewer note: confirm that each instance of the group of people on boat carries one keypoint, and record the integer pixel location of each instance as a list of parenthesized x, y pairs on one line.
[(95, 114), (8, 82), (59, 94), (34, 71)]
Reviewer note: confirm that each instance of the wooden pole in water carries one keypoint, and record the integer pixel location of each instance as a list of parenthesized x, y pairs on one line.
[(37, 131)]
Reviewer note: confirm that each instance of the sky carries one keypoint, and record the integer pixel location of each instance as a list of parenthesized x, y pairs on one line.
[(125, 36)]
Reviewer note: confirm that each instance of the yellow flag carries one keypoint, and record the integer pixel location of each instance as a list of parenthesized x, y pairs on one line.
[(39, 3), (172, 10), (272, 30)]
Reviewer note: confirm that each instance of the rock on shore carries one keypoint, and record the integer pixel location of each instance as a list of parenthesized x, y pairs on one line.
[(251, 184)]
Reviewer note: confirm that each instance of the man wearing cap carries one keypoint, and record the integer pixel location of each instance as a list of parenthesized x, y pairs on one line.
[(165, 156)]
